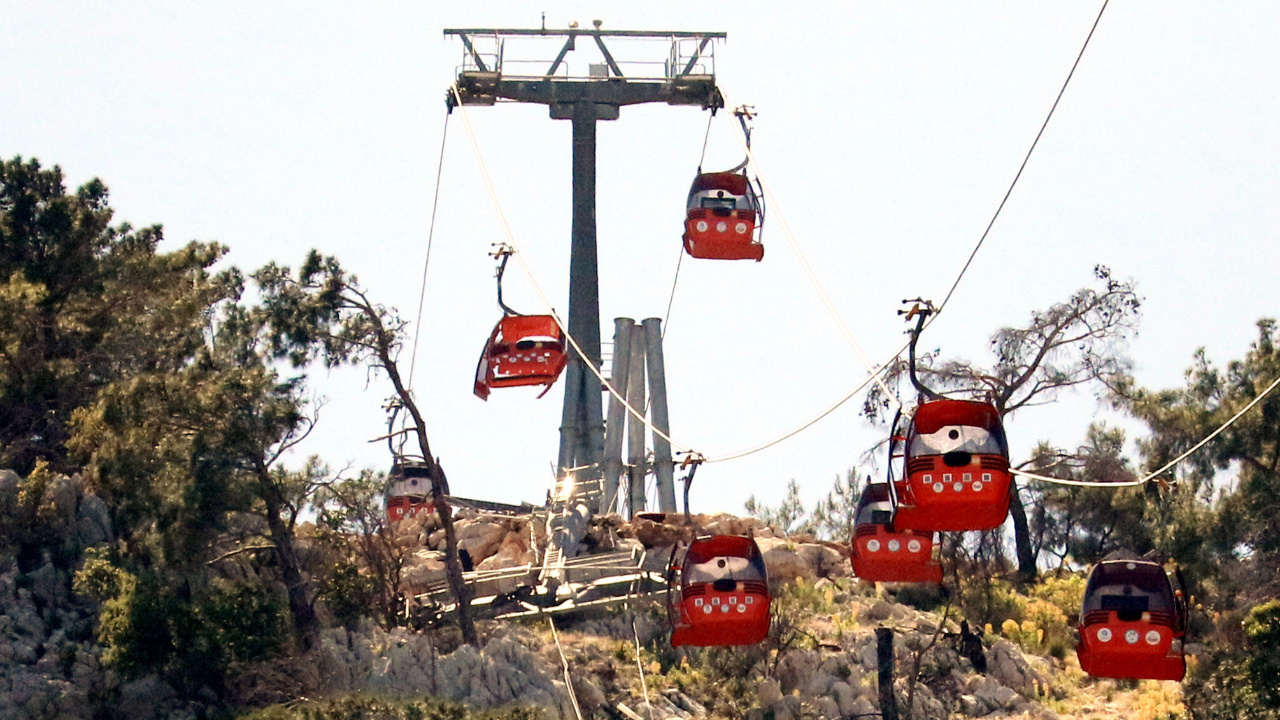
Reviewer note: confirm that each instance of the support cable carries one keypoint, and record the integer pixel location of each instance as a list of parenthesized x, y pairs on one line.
[(705, 137), (644, 687), (568, 678), (874, 372), (431, 232), (667, 319), (695, 456), (524, 267), (1151, 476), (631, 590), (1025, 160), (798, 429)]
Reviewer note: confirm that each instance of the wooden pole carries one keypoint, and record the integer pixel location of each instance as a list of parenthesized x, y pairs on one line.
[(884, 659)]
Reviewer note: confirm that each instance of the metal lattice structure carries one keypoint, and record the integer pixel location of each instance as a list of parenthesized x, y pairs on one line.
[(683, 75)]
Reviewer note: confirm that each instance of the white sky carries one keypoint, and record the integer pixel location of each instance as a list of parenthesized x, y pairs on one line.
[(888, 130)]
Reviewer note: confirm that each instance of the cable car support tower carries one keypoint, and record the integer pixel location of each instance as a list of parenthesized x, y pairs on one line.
[(687, 77)]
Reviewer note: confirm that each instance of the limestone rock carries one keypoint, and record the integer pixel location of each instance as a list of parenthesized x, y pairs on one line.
[(1008, 665), (827, 708), (145, 698), (971, 706), (652, 534), (863, 707), (513, 552), (769, 691), (93, 521), (783, 561), (995, 695), (480, 539), (824, 561)]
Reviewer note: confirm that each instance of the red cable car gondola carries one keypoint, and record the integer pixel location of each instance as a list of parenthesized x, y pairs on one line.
[(410, 491), (956, 469), (718, 593), (522, 350), (721, 218), (880, 554), (1133, 622)]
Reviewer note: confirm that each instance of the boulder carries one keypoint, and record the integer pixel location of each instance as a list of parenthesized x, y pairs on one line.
[(652, 534), (827, 708), (783, 561), (59, 505), (971, 706), (145, 698), (862, 707), (995, 695), (9, 482), (1007, 664), (513, 552), (480, 539), (93, 521)]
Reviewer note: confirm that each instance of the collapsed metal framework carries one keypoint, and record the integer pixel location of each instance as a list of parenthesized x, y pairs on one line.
[(687, 77)]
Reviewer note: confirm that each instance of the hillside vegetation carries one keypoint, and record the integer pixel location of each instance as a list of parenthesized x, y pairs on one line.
[(159, 557)]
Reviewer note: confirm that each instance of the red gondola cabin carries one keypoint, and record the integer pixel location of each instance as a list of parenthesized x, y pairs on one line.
[(956, 469), (1133, 622), (721, 595), (523, 350), (881, 555), (722, 216), (410, 491)]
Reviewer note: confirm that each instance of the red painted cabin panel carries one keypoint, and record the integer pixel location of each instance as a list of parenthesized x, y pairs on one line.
[(721, 218), (522, 350), (956, 469), (1133, 623), (881, 555), (723, 594)]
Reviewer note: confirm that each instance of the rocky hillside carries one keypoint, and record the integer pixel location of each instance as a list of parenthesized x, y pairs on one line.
[(615, 662), (819, 661)]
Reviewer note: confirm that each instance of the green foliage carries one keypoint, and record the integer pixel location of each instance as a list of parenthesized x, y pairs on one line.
[(725, 678), (1223, 535), (832, 518), (1064, 591), (348, 594), (1262, 632), (146, 626), (84, 304), (1039, 621), (366, 578), (100, 579), (1084, 524), (789, 516), (989, 601), (26, 520), (368, 707)]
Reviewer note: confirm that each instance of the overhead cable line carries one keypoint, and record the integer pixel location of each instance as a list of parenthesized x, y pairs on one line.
[(795, 431), (1025, 160), (1151, 476), (667, 320), (431, 232), (524, 267), (874, 372)]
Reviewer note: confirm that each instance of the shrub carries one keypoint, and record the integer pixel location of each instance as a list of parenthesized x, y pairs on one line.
[(1262, 631), (366, 707), (147, 625)]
